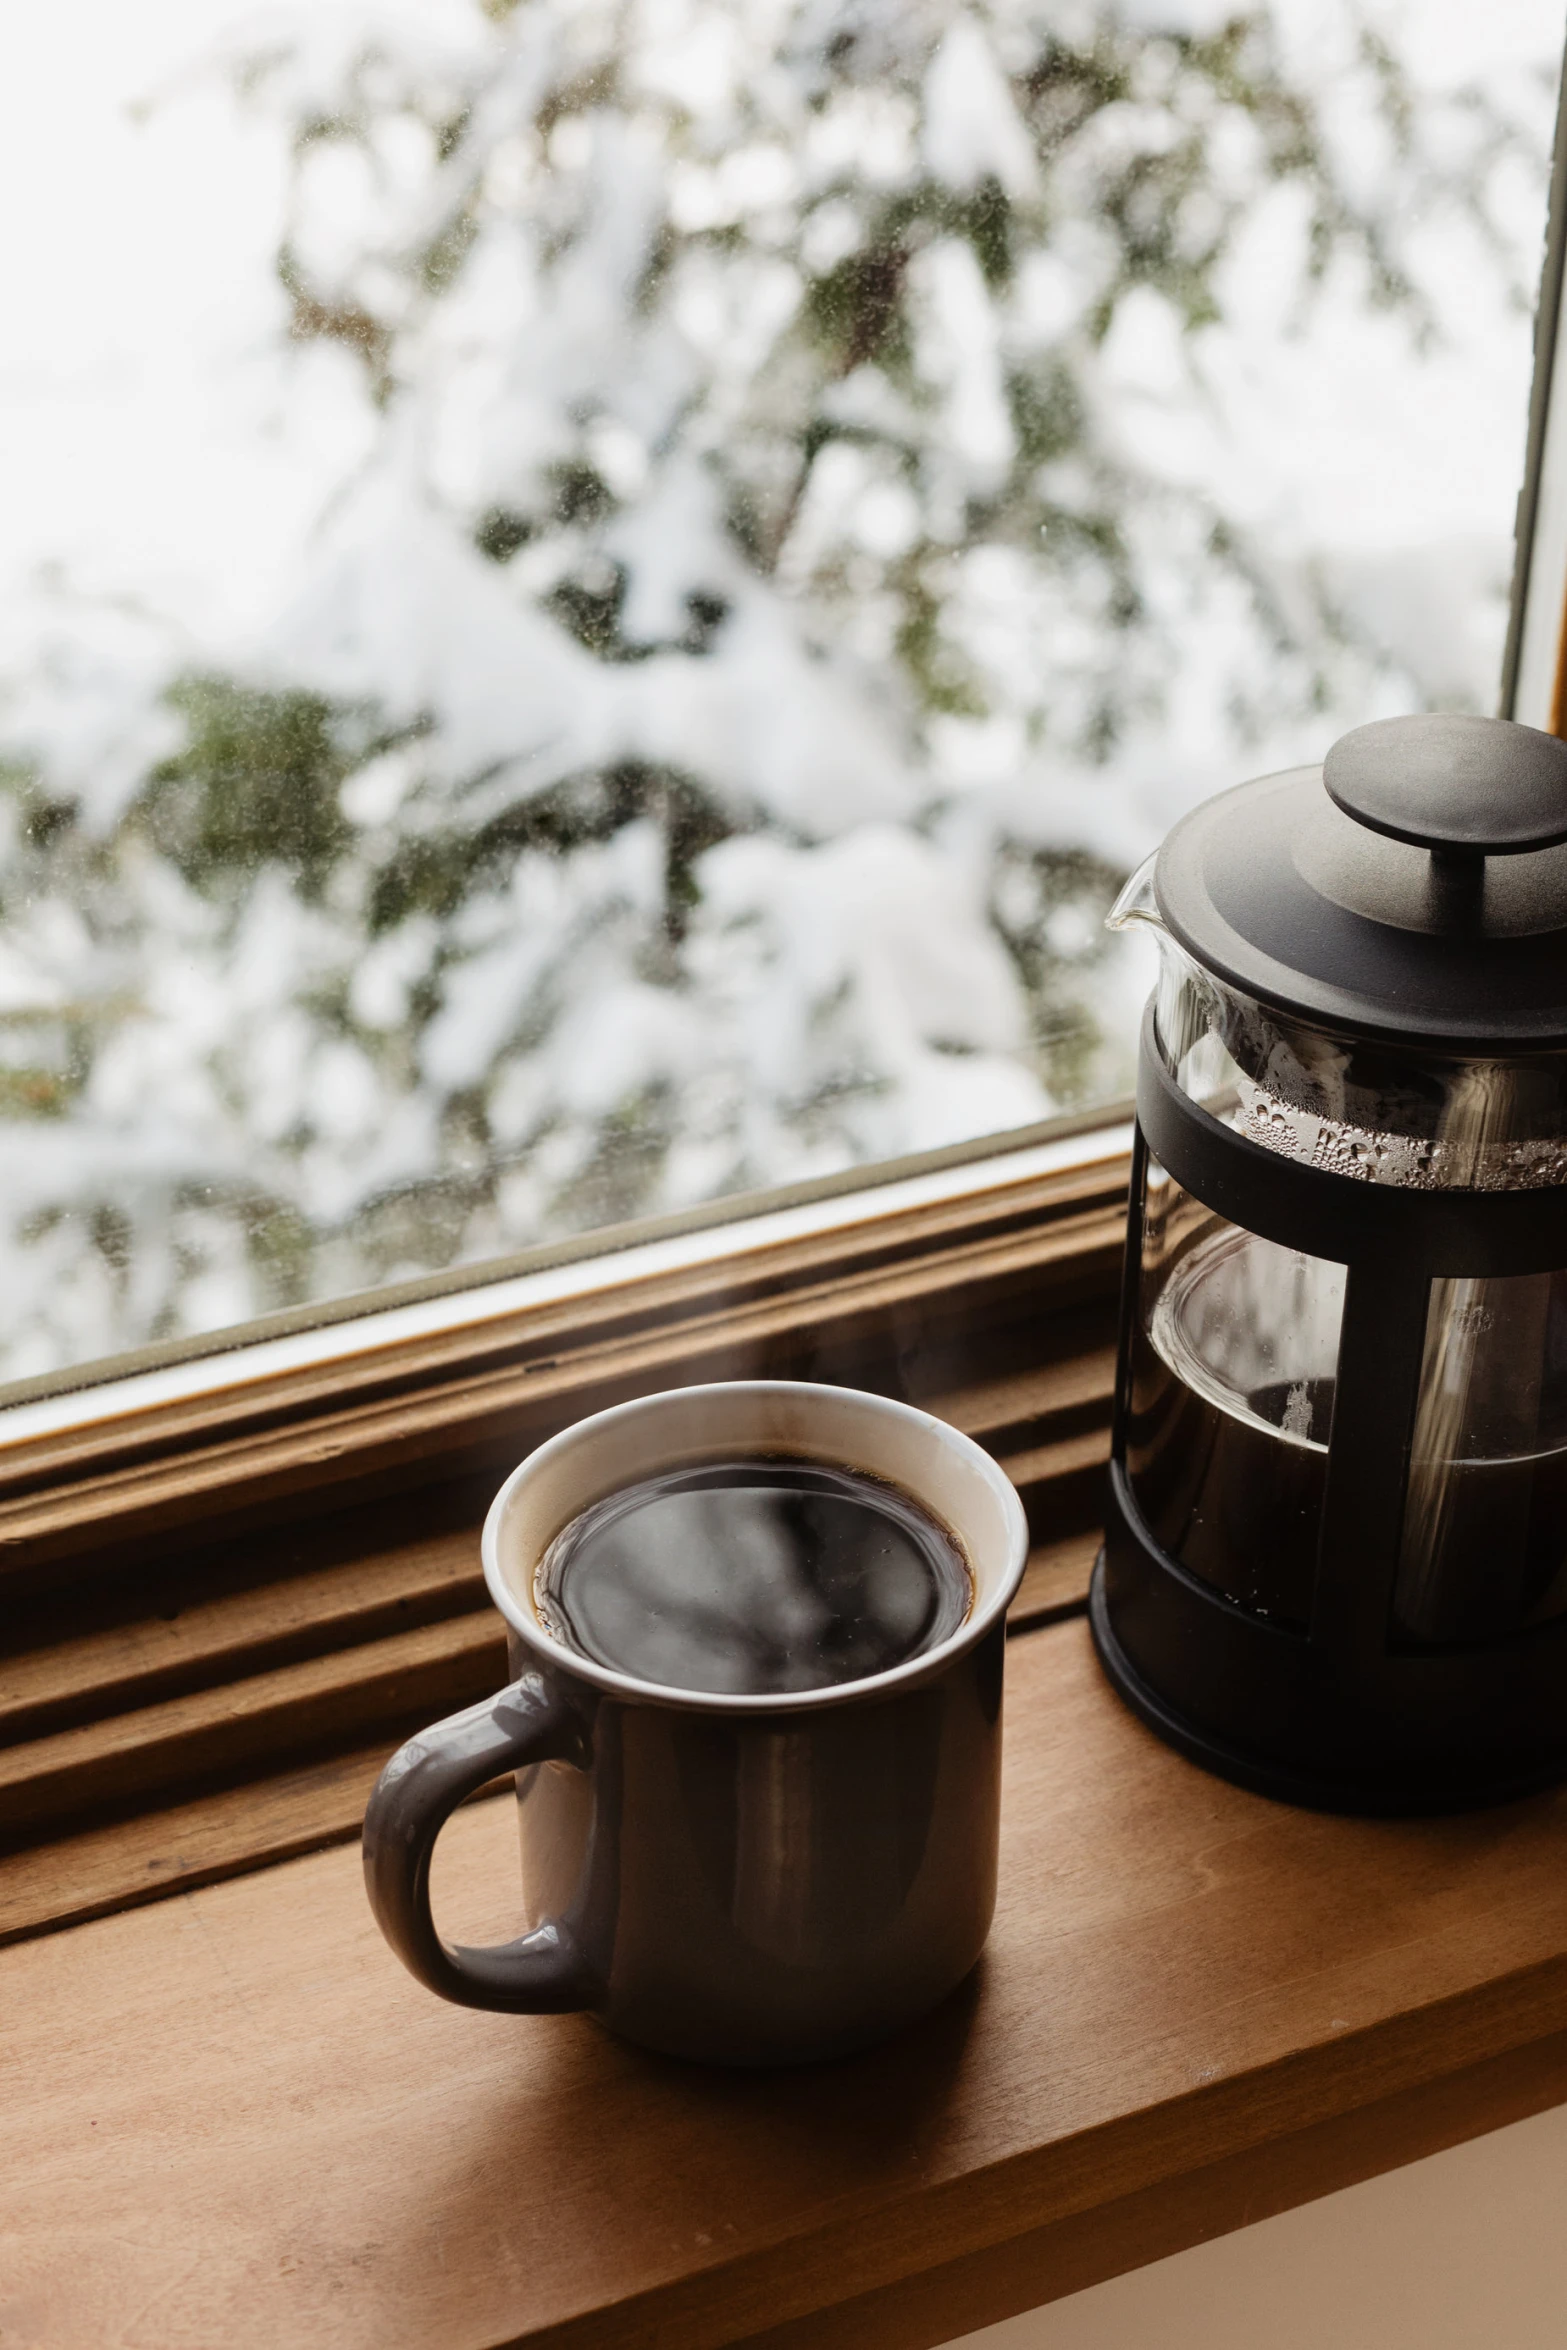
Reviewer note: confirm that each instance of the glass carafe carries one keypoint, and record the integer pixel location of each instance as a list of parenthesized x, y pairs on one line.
[(1235, 1338), (1335, 1561)]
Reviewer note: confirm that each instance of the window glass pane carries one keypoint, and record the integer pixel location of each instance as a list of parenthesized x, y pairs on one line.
[(597, 597)]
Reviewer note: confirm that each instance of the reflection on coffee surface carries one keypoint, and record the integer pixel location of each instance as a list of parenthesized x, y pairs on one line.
[(753, 1577)]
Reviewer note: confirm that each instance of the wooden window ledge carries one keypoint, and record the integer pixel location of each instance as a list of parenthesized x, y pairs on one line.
[(231, 2119), (228, 2119)]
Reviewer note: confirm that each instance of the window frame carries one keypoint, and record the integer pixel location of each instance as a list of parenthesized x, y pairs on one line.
[(100, 1407), (1534, 658), (133, 1477), (171, 1399)]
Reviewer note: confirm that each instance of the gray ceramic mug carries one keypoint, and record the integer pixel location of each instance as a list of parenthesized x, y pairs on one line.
[(748, 1880)]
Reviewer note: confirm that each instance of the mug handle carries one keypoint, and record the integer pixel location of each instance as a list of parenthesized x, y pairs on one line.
[(542, 1973)]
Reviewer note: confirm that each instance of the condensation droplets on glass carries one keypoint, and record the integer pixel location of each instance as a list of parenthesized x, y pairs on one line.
[(598, 601)]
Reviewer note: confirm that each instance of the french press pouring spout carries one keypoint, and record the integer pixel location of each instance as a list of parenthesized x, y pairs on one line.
[(1335, 1564)]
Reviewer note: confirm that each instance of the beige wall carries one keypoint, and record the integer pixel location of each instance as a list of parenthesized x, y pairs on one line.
[(1465, 2251)]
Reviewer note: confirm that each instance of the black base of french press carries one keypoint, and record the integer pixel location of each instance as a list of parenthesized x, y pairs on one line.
[(1289, 1783)]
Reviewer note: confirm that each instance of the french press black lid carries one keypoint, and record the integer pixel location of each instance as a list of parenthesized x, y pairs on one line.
[(1336, 1554)]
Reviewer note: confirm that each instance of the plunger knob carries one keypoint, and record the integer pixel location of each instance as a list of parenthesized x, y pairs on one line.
[(1464, 788)]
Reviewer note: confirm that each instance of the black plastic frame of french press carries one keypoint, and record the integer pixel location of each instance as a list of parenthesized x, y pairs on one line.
[(1338, 1715)]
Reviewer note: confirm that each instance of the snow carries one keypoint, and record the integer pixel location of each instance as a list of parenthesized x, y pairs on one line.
[(972, 131), (799, 862)]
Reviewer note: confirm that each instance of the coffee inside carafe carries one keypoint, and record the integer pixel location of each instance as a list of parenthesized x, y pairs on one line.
[(1231, 1416), (1231, 1405), (1484, 1545)]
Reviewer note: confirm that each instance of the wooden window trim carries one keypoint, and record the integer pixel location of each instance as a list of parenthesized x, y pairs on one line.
[(83, 1454), (1534, 658)]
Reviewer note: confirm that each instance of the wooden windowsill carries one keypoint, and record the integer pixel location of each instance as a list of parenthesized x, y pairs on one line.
[(231, 2119)]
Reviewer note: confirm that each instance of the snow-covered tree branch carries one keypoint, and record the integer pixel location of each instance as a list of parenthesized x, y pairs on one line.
[(815, 486)]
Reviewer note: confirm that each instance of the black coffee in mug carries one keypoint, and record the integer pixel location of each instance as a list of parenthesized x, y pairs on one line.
[(754, 1577)]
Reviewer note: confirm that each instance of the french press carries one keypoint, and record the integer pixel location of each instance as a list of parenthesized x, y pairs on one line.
[(1335, 1565)]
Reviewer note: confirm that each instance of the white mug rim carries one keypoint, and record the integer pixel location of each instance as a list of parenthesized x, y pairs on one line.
[(988, 1609)]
